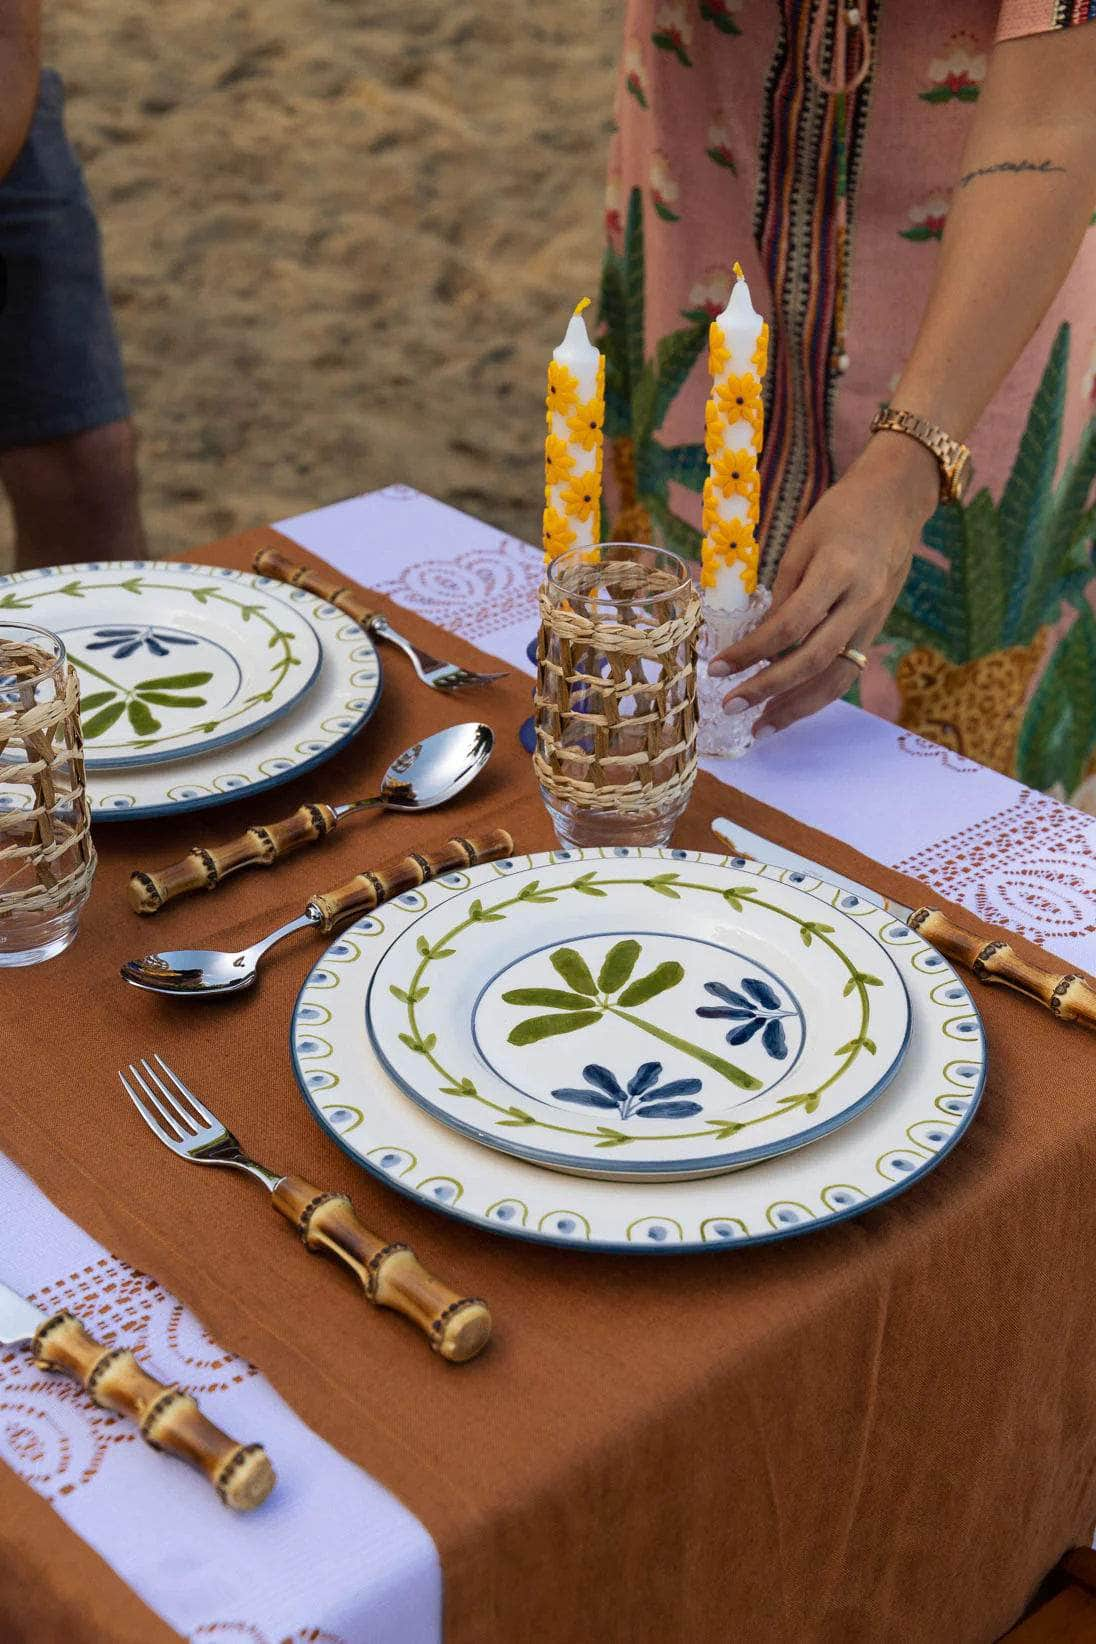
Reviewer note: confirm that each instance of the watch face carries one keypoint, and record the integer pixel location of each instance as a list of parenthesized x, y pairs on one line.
[(961, 473)]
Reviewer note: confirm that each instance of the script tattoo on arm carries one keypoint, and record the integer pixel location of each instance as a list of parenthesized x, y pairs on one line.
[(1010, 165)]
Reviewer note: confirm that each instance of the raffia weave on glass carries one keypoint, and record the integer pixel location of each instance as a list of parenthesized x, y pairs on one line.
[(616, 700), (47, 859)]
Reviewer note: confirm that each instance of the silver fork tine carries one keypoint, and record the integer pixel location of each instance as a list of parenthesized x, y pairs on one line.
[(183, 1134), (203, 1112), (154, 1125), (190, 1123)]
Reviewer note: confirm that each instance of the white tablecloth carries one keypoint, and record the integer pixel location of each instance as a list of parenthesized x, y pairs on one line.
[(1012, 856)]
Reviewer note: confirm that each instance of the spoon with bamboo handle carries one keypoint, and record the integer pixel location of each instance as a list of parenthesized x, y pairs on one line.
[(191, 973), (426, 775)]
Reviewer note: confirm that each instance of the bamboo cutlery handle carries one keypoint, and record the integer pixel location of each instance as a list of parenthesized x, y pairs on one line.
[(1067, 996), (204, 868), (365, 892), (169, 1418), (457, 1327), (270, 562)]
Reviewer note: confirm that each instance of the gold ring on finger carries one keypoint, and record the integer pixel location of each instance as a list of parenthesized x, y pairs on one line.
[(851, 654)]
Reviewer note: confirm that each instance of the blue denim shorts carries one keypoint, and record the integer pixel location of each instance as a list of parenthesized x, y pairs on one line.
[(60, 365)]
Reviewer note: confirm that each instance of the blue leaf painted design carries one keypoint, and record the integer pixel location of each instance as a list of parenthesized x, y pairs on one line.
[(642, 1098), (757, 1009)]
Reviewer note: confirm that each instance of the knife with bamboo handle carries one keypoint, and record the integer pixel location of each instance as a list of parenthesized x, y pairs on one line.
[(168, 1417), (1066, 995)]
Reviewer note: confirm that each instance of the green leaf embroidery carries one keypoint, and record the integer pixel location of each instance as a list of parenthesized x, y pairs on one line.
[(547, 1027), (620, 962), (574, 970), (666, 975), (103, 720)]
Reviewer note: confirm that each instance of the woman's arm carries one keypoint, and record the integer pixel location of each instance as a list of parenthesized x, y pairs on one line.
[(1020, 207), (20, 61)]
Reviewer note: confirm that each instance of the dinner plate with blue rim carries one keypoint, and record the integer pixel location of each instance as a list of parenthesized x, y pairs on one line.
[(637, 1020), (316, 725), (889, 1146), (175, 660)]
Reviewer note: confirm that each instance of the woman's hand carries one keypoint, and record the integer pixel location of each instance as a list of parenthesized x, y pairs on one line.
[(840, 574)]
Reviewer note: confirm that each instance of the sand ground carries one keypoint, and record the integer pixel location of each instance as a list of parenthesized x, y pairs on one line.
[(342, 238)]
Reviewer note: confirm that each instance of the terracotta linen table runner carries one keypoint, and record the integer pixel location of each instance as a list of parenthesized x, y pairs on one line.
[(882, 1430)]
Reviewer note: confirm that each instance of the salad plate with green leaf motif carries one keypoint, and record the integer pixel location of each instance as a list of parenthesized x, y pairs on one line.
[(633, 1018), (887, 1148), (321, 721), (173, 661)]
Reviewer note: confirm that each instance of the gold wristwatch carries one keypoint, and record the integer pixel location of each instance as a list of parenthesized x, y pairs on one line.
[(953, 458)]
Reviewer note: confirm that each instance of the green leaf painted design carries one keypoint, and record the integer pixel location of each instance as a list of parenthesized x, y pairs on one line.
[(165, 699), (620, 962), (920, 231), (573, 968), (142, 718), (95, 700), (102, 721), (408, 996), (174, 682), (547, 998), (664, 976), (938, 94), (549, 1027)]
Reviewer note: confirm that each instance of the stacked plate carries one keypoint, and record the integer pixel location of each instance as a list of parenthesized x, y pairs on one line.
[(639, 1049), (198, 683)]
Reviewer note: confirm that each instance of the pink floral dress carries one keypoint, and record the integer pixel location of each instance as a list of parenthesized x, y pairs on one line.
[(744, 130)]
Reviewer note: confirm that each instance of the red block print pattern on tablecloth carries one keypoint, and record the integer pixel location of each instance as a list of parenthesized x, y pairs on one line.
[(50, 1432), (242, 1632), (478, 592), (1030, 867), (918, 747)]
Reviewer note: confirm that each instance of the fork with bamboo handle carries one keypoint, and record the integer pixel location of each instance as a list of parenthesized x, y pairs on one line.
[(456, 1326), (440, 676)]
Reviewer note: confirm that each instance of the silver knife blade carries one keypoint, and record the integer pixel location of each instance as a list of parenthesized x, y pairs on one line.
[(19, 1321), (744, 843)]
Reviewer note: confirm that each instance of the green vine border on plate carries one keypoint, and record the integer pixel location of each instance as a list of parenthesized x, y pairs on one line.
[(664, 884), (280, 641)]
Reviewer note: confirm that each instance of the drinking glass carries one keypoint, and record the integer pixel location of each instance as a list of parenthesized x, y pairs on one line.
[(47, 860), (615, 703)]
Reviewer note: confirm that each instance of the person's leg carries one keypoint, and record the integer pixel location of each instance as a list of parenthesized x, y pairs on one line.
[(67, 447), (75, 498)]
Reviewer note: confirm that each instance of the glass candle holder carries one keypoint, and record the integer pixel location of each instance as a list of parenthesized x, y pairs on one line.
[(47, 860), (615, 704)]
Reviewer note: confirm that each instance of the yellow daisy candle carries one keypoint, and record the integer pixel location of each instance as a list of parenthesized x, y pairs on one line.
[(737, 354), (574, 445)]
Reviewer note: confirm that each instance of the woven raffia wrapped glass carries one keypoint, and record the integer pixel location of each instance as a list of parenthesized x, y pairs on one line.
[(47, 860), (616, 694)]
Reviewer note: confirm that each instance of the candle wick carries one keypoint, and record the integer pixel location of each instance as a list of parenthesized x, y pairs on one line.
[(584, 304)]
